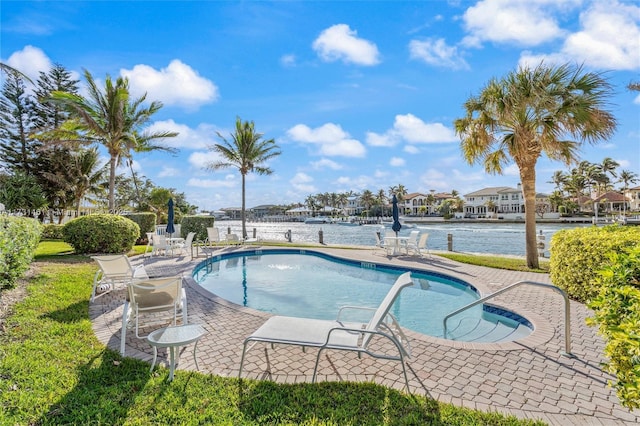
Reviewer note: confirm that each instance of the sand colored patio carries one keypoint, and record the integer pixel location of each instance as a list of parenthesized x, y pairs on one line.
[(528, 378)]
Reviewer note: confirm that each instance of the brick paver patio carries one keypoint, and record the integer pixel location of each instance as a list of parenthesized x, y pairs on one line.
[(529, 378)]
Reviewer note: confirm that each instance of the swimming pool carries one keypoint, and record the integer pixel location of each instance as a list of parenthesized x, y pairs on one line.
[(312, 284)]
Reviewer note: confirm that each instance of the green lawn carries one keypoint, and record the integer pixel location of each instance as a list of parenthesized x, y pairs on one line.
[(54, 371)]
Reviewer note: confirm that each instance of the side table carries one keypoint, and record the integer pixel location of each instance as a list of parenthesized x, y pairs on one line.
[(172, 338)]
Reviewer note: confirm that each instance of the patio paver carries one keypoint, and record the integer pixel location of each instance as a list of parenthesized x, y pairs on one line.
[(529, 378)]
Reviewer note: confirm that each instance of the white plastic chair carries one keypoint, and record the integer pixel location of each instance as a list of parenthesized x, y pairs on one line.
[(388, 248), (186, 245), (412, 242), (152, 296), (114, 270), (160, 245)]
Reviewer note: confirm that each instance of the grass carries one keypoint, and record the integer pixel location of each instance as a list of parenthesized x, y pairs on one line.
[(510, 263), (53, 371)]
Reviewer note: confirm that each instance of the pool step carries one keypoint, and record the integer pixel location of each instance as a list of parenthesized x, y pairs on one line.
[(474, 330)]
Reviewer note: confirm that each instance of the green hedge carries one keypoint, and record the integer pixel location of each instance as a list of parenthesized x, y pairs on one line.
[(101, 233), (19, 238), (52, 232), (617, 314), (146, 222), (578, 254), (197, 224)]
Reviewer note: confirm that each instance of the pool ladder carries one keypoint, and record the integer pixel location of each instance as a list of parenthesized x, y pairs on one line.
[(567, 310)]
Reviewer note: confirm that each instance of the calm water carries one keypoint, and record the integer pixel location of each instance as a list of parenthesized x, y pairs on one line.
[(495, 238), (310, 286)]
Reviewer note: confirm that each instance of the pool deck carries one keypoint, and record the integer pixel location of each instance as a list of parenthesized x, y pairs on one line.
[(529, 378)]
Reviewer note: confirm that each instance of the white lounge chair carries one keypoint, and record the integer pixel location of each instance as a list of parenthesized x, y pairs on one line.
[(421, 247), (114, 270), (152, 296), (339, 335), (233, 239), (159, 244), (213, 236)]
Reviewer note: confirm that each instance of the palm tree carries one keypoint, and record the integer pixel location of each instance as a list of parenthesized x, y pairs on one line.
[(547, 109), (110, 118), (246, 151), (88, 175), (626, 177), (367, 199)]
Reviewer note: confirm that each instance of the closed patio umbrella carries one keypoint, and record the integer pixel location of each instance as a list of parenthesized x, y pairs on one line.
[(170, 227), (396, 215)]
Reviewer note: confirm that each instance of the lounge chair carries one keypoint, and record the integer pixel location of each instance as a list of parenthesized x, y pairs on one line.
[(339, 335), (114, 270), (420, 247), (213, 236), (152, 296), (233, 239), (159, 244)]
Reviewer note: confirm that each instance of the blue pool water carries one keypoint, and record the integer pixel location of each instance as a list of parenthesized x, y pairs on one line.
[(310, 284)]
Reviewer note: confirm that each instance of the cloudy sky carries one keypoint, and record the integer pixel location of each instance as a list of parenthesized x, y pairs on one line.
[(357, 95)]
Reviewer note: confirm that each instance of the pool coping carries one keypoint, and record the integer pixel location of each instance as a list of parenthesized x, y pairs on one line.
[(528, 378)]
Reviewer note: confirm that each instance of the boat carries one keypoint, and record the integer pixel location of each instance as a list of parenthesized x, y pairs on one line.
[(349, 223), (317, 220)]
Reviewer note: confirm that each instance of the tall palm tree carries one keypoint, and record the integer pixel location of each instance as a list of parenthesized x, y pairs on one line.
[(246, 151), (88, 175), (110, 118), (547, 109), (626, 177)]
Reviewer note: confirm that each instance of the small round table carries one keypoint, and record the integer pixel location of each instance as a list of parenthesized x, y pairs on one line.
[(172, 338)]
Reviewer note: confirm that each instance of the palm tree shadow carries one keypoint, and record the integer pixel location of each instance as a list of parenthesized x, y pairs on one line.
[(107, 385), (266, 402)]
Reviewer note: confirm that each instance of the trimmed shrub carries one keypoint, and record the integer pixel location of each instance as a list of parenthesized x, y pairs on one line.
[(617, 315), (19, 238), (146, 222), (52, 232), (101, 233), (197, 224), (578, 254)]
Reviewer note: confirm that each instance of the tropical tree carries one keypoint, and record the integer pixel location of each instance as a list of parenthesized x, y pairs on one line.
[(246, 151), (367, 199), (549, 110), (626, 177), (109, 117)]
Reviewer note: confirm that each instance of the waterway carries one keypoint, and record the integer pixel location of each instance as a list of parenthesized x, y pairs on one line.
[(467, 237)]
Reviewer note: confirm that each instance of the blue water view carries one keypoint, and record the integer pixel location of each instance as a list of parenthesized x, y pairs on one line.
[(467, 237)]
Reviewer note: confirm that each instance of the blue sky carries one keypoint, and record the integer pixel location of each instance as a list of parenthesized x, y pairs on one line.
[(357, 94)]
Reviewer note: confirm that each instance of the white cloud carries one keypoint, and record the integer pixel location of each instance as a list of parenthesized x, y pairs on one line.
[(170, 172), (637, 100), (288, 60), (211, 183), (302, 183), (397, 162), (325, 163), (608, 39), (339, 42), (177, 84), (201, 159), (511, 170), (330, 139), (30, 61), (610, 36), (199, 138), (411, 149), (414, 130), (436, 52), (522, 22), (387, 139)]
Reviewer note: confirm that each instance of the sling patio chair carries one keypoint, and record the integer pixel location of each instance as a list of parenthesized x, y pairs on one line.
[(113, 270), (340, 335), (152, 297)]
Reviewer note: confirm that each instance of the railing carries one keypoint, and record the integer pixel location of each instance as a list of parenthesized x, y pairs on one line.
[(567, 310)]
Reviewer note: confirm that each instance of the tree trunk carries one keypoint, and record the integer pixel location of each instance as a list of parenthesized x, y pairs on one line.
[(242, 214), (528, 177), (113, 162)]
